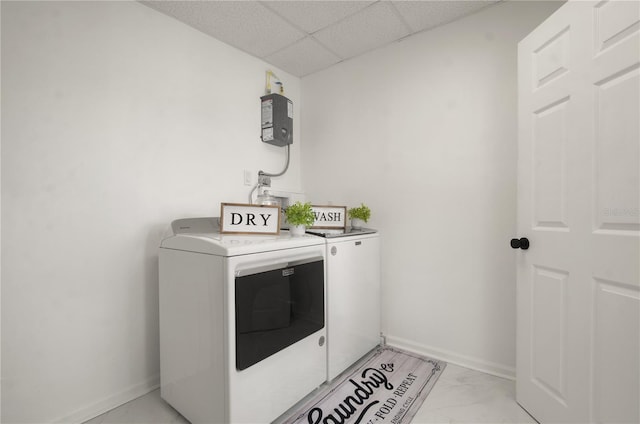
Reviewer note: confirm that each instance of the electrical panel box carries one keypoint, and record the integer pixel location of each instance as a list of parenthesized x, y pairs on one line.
[(277, 120)]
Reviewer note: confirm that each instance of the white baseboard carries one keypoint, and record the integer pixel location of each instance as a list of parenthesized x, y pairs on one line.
[(100, 407), (453, 358)]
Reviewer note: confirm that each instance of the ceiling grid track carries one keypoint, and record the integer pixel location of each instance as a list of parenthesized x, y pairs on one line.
[(303, 37)]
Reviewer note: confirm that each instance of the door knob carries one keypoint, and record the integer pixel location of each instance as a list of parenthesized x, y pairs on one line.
[(523, 243)]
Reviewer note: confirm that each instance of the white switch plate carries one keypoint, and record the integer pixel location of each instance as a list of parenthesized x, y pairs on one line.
[(247, 177)]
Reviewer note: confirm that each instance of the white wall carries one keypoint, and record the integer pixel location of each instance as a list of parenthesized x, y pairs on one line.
[(115, 120), (424, 131)]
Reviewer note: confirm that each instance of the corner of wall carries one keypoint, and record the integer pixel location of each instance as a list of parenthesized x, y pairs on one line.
[(102, 406), (470, 362)]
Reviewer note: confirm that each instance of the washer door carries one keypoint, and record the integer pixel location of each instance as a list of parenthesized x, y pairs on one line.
[(277, 308)]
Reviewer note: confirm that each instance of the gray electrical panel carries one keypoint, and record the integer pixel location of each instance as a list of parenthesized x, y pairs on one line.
[(277, 120)]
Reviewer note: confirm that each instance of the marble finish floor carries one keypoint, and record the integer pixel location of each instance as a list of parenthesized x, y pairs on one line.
[(460, 396)]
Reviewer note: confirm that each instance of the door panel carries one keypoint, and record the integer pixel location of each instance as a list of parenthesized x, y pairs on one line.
[(617, 153), (578, 204), (616, 352), (550, 167), (551, 59), (615, 21), (549, 350)]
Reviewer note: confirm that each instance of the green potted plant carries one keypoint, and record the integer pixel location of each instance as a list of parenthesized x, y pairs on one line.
[(359, 215), (299, 216)]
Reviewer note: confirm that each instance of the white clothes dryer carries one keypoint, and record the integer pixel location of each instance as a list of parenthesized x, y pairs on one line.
[(240, 316)]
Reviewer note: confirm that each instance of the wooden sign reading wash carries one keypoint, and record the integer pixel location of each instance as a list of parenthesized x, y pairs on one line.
[(239, 218), (330, 217)]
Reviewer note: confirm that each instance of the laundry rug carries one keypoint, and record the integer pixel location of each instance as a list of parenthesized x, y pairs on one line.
[(389, 388)]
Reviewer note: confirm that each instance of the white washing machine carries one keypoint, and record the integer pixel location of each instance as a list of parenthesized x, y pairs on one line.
[(353, 296), (240, 316)]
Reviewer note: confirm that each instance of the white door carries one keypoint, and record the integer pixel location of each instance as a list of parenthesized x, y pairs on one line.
[(578, 341)]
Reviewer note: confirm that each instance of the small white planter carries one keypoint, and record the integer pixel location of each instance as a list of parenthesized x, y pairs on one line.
[(297, 230), (357, 223)]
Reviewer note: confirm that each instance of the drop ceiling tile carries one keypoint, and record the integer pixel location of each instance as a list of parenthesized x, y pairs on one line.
[(303, 58), (372, 27), (422, 15), (246, 25), (311, 15)]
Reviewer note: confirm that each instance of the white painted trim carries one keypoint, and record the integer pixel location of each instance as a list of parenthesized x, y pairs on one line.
[(477, 364), (107, 404)]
